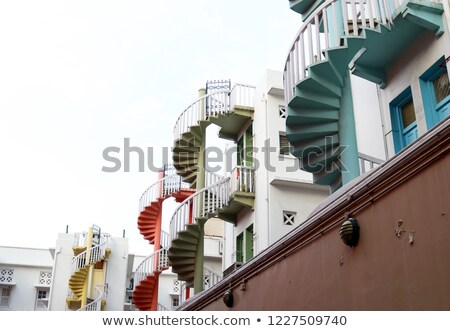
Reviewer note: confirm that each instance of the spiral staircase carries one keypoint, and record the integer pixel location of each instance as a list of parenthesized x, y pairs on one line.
[(223, 197), (363, 36), (229, 109), (79, 275), (145, 291)]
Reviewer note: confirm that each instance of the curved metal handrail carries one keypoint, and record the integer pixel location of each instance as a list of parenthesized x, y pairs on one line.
[(95, 305), (96, 253), (209, 199), (323, 30), (160, 189), (200, 204), (214, 104), (156, 262)]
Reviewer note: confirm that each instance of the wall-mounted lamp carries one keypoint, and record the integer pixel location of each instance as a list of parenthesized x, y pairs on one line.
[(228, 298), (349, 232)]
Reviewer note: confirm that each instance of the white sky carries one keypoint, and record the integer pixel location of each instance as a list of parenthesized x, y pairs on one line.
[(79, 76)]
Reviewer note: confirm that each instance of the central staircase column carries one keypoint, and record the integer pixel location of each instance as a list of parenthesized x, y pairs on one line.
[(87, 281), (199, 254), (347, 135)]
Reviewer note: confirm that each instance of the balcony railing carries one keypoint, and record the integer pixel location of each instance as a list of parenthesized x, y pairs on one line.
[(242, 95), (213, 104), (324, 29), (367, 162), (243, 179), (210, 278)]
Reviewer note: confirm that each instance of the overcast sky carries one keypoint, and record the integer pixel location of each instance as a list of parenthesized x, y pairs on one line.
[(79, 76)]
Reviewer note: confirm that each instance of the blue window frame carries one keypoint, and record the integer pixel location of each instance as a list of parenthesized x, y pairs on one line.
[(403, 117), (435, 87)]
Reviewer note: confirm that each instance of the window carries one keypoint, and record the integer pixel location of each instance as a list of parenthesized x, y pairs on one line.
[(403, 117), (282, 111), (5, 296), (239, 248), (175, 303), (41, 299), (285, 147), (289, 217), (42, 294), (245, 148), (244, 245), (435, 87), (249, 243)]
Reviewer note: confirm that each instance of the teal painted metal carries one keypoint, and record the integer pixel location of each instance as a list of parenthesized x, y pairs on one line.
[(434, 111), (403, 136), (347, 135)]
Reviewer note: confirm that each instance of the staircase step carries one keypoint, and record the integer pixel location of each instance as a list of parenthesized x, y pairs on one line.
[(316, 145), (310, 116), (183, 245), (317, 162), (298, 133), (327, 176), (324, 73)]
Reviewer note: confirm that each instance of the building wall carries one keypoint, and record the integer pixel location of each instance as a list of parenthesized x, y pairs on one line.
[(400, 262), (404, 72), (273, 168), (61, 271), (167, 289), (301, 199), (116, 273)]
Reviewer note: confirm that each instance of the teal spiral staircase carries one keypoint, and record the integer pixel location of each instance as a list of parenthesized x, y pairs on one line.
[(342, 37)]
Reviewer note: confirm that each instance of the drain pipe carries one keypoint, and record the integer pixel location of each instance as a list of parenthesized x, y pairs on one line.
[(50, 300), (267, 174)]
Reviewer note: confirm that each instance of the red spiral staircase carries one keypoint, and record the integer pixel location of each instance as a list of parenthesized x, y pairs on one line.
[(145, 293)]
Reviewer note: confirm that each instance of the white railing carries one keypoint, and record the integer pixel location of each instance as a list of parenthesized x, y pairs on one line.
[(213, 104), (210, 278), (80, 239), (216, 102), (95, 305), (242, 95), (165, 239), (243, 179), (368, 162), (163, 187), (162, 308), (200, 205), (211, 178), (182, 295), (324, 29), (96, 253), (157, 262)]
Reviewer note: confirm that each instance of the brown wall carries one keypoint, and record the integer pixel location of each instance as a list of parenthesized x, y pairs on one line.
[(384, 272)]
